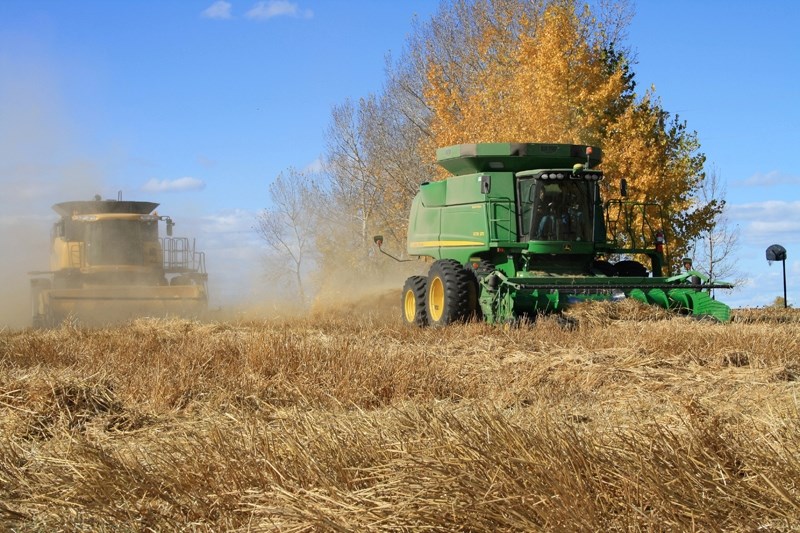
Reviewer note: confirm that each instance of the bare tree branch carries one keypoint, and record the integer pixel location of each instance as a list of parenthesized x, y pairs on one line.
[(288, 228)]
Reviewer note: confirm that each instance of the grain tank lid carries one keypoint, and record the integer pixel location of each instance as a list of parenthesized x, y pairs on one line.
[(92, 207), (513, 157)]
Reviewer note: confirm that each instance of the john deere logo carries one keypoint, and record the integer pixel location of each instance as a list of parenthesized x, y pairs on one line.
[(567, 248)]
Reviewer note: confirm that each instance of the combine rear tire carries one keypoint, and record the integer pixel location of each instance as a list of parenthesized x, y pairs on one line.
[(451, 295), (415, 312)]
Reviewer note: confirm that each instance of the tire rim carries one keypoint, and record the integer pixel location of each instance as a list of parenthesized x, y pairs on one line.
[(436, 299), (410, 306)]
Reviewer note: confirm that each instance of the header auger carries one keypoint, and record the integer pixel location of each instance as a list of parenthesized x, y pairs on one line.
[(521, 229)]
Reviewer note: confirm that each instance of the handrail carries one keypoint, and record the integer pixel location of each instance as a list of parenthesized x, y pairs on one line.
[(506, 202), (75, 254), (627, 215), (180, 256)]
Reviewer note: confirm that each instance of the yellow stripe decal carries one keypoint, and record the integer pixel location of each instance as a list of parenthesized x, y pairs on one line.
[(433, 244)]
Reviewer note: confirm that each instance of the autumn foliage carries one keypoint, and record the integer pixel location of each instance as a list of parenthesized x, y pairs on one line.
[(554, 71)]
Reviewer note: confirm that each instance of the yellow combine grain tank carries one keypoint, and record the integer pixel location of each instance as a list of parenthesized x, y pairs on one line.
[(108, 264)]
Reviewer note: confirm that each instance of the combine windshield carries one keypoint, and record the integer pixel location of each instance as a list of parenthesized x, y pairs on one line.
[(118, 242), (556, 210)]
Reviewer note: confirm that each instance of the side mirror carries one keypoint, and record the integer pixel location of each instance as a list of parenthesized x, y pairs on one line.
[(486, 184), (623, 188), (170, 224), (378, 239)]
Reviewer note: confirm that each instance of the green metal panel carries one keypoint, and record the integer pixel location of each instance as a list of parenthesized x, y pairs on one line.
[(464, 231), (559, 247), (455, 219), (463, 190), (433, 193), (513, 157), (423, 228)]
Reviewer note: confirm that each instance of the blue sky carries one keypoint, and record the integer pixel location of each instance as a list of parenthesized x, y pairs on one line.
[(199, 104)]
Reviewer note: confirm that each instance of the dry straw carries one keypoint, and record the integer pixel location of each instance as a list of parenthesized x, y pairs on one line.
[(611, 418)]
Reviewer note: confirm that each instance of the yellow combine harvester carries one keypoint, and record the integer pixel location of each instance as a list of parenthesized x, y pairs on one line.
[(108, 264)]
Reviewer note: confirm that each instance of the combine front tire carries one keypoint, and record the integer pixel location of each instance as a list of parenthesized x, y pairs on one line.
[(415, 312), (478, 271), (451, 296)]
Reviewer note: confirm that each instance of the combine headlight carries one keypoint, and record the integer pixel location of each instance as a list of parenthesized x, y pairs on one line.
[(551, 176)]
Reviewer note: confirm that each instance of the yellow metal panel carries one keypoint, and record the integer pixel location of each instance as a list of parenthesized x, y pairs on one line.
[(104, 305), (66, 254)]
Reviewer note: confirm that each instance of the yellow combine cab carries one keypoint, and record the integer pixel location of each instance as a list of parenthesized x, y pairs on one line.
[(108, 264)]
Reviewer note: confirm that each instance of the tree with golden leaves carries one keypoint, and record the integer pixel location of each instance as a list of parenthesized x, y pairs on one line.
[(507, 71), (553, 71)]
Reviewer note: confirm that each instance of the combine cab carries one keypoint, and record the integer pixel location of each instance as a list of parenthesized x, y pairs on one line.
[(521, 229), (108, 264)]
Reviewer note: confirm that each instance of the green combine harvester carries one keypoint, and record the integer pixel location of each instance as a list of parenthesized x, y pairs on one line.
[(521, 229)]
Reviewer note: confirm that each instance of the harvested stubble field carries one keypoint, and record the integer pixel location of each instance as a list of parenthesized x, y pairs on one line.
[(622, 419)]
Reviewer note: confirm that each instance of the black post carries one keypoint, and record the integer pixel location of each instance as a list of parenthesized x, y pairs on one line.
[(785, 303), (776, 252)]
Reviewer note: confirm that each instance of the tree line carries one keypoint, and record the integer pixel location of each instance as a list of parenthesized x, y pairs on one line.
[(554, 71)]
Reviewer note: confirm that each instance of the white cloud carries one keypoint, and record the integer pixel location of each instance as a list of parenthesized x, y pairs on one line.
[(775, 227), (231, 221), (218, 10), (314, 167), (762, 223), (277, 8), (770, 210), (769, 179), (178, 185)]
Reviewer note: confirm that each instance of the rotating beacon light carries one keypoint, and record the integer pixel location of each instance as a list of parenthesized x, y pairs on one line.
[(660, 240)]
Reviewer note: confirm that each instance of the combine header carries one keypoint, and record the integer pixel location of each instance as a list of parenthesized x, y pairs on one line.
[(521, 229), (108, 264)]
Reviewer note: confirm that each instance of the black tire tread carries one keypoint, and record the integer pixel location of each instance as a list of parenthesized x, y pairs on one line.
[(419, 285), (459, 300), (629, 268)]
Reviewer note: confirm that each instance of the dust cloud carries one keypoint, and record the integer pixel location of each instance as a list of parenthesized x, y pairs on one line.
[(376, 292), (42, 163), (39, 166), (342, 292)]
